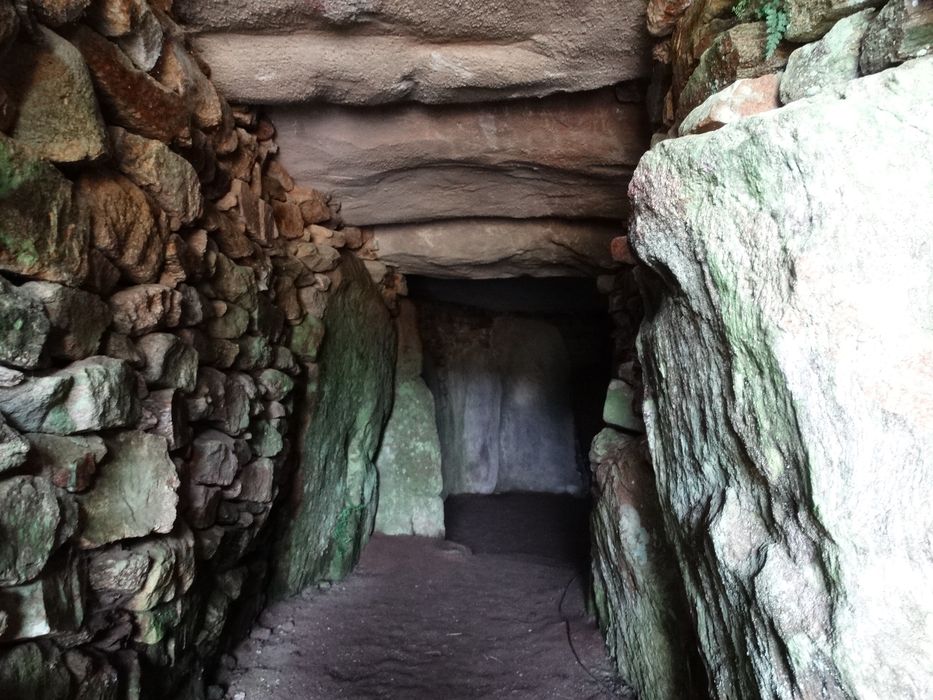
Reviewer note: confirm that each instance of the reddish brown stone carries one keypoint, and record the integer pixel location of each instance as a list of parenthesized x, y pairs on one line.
[(124, 226), (130, 97), (622, 251), (664, 14), (179, 72), (699, 25), (288, 218), (741, 99), (313, 204)]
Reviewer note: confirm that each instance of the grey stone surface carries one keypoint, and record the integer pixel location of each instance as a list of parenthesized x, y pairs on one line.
[(392, 50), (902, 29), (78, 319), (496, 248), (24, 327), (827, 64), (788, 404), (563, 156), (29, 519), (409, 459)]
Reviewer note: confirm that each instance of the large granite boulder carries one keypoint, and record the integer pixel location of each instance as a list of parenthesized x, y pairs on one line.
[(565, 156), (788, 390), (409, 460), (427, 51), (346, 407)]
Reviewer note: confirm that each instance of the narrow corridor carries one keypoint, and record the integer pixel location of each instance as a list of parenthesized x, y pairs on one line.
[(496, 611)]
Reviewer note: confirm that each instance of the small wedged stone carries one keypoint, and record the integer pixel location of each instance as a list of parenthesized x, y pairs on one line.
[(902, 30), (738, 52), (235, 283), (827, 64), (135, 492), (69, 462), (257, 481), (14, 448), (163, 174), (78, 319), (48, 71), (743, 98), (134, 27), (144, 308), (274, 385), (170, 362), (179, 72), (96, 393), (167, 413), (44, 233), (131, 98), (121, 347), (254, 352), (24, 327), (29, 519), (619, 408), (230, 323), (125, 227), (213, 459)]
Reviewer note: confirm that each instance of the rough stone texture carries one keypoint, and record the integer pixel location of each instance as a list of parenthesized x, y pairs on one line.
[(393, 50), (13, 448), (29, 520), (68, 462), (125, 227), (135, 28), (503, 413), (52, 604), (560, 156), (333, 502), (618, 410), (92, 394), (793, 475), (736, 53), (663, 15), (30, 671), (170, 363), (134, 493), (808, 20), (145, 307), (827, 64), (496, 248), (24, 327), (45, 71), (409, 459), (902, 30), (42, 233), (58, 12), (743, 98), (130, 97), (164, 175), (78, 319), (637, 587)]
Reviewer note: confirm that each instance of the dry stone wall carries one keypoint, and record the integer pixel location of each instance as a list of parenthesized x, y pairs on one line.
[(164, 292), (751, 212)]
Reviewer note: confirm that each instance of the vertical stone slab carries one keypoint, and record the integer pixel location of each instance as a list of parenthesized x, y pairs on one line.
[(409, 461), (787, 371), (333, 502)]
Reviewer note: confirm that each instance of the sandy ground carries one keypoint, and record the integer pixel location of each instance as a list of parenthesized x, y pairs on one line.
[(495, 612)]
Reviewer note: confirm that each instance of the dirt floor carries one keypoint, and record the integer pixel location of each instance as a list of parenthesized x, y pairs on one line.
[(494, 612)]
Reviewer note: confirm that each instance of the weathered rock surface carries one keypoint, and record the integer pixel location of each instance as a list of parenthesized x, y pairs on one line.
[(335, 483), (495, 248), (43, 233), (170, 362), (902, 29), (808, 20), (163, 174), (45, 71), (743, 98), (409, 459), (793, 476), (93, 394), (827, 64), (78, 319), (13, 447), (134, 493), (68, 462), (29, 519), (562, 156), (637, 587), (393, 50), (24, 327)]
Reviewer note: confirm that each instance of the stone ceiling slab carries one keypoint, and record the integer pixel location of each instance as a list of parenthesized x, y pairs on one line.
[(562, 156)]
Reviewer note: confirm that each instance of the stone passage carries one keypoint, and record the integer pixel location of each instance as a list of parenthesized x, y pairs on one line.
[(486, 615)]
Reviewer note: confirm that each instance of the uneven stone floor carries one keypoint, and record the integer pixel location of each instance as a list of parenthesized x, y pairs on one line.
[(489, 614)]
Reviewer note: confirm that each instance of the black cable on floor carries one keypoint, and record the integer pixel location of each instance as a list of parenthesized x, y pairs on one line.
[(560, 612)]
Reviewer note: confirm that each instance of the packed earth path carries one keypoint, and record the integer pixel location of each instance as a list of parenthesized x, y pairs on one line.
[(495, 611)]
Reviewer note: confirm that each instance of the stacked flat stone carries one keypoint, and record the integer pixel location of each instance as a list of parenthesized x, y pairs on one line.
[(162, 289)]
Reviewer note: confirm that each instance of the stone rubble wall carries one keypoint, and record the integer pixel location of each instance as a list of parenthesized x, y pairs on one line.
[(711, 71), (163, 298)]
